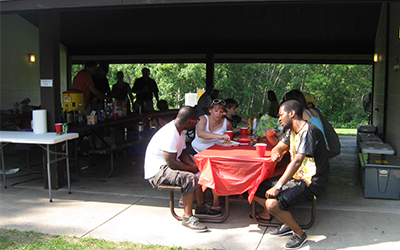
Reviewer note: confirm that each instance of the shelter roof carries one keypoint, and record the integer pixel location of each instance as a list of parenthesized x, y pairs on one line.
[(177, 30)]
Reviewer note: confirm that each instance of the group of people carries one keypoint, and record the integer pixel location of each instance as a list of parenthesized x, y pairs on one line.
[(94, 84), (168, 161)]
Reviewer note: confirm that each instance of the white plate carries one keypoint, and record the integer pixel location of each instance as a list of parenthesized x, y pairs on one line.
[(227, 144)]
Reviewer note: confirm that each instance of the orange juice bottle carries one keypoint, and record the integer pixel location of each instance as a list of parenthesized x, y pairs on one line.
[(249, 126)]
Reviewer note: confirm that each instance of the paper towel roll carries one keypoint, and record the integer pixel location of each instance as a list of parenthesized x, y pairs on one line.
[(39, 120)]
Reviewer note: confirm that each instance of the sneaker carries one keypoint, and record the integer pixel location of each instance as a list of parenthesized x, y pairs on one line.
[(207, 210), (296, 241), (193, 223), (282, 230)]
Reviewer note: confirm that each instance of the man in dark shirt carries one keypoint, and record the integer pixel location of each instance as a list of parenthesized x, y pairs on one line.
[(305, 176), (101, 82), (144, 88)]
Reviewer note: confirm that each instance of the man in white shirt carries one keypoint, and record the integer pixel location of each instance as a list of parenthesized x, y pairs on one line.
[(167, 162)]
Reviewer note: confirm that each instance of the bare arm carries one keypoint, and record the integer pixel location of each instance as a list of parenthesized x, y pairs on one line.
[(98, 93), (278, 151), (202, 133), (156, 96), (173, 163), (287, 175), (187, 159), (229, 125)]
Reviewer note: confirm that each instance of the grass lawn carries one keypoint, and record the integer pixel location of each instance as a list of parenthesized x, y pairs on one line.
[(14, 239), (346, 131)]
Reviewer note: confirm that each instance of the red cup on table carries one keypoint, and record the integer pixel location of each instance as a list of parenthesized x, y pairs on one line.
[(115, 116), (243, 131), (59, 128), (261, 148), (230, 133)]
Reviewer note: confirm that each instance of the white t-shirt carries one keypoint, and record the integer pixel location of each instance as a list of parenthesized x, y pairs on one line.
[(166, 139)]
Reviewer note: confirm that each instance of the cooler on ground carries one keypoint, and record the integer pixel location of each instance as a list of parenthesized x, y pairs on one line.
[(380, 176)]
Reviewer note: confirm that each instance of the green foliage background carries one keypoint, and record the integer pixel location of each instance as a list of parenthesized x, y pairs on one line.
[(339, 88)]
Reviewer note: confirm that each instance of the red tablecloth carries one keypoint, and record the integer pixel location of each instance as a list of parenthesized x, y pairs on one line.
[(233, 170)]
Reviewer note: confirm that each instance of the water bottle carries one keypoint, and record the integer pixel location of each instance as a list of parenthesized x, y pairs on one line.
[(254, 124)]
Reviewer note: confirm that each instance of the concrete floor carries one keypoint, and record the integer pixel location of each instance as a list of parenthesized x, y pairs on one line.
[(125, 207)]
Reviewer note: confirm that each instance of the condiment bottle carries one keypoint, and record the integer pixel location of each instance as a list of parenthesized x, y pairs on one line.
[(249, 126)]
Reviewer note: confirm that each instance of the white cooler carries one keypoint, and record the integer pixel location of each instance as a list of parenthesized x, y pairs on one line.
[(376, 148)]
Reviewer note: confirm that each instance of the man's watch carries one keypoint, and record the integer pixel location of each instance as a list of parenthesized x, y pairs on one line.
[(278, 186)]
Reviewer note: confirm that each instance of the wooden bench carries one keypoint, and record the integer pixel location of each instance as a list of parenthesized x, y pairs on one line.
[(277, 224), (203, 218), (113, 148)]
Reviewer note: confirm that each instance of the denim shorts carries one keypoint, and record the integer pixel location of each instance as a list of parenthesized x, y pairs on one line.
[(184, 179), (293, 193)]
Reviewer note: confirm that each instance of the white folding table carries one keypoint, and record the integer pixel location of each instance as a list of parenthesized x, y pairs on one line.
[(47, 139)]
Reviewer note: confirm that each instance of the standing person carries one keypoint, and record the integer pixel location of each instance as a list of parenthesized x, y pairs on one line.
[(121, 91), (231, 110), (167, 162), (144, 88), (274, 104), (209, 130), (306, 175), (83, 81), (101, 82), (205, 100)]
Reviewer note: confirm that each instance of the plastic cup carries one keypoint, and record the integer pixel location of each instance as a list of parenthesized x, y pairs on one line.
[(243, 131), (115, 116), (230, 133), (261, 147), (59, 128)]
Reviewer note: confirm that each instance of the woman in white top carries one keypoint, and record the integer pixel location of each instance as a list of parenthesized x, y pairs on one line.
[(210, 129)]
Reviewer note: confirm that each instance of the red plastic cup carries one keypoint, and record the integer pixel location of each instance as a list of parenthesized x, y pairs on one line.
[(261, 147), (230, 133), (59, 128), (243, 131), (115, 116)]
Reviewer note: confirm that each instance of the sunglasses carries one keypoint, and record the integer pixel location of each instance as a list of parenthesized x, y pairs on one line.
[(217, 101), (195, 121)]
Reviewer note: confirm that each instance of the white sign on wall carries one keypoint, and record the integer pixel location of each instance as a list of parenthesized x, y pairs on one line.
[(46, 83)]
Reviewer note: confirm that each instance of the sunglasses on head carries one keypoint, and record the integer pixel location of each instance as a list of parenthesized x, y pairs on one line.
[(217, 101)]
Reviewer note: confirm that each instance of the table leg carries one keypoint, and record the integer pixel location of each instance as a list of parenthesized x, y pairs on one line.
[(3, 165), (48, 171), (216, 219), (67, 157)]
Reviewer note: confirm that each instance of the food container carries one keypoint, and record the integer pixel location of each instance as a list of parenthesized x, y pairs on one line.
[(71, 96)]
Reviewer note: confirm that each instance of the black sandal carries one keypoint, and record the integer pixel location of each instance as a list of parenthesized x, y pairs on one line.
[(262, 219)]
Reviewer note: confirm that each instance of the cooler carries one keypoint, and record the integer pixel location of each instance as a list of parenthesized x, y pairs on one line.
[(380, 176), (71, 96), (362, 128), (368, 137), (376, 148)]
